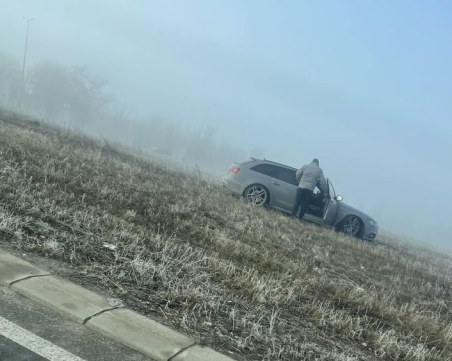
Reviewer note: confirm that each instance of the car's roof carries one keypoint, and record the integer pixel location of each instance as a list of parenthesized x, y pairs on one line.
[(271, 162)]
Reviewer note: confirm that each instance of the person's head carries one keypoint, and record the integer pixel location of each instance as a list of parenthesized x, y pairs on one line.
[(316, 161)]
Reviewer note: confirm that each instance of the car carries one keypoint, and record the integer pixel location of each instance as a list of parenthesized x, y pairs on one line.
[(264, 183)]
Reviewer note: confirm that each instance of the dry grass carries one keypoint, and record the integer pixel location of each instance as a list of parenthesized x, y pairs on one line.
[(173, 244)]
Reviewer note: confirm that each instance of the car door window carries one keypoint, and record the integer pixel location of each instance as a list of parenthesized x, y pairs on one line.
[(281, 173), (266, 169), (287, 175)]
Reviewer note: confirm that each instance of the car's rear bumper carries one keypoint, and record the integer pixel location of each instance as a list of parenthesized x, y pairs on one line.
[(232, 185)]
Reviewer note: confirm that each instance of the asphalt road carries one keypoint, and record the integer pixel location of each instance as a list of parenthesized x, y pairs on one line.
[(31, 332), (9, 350)]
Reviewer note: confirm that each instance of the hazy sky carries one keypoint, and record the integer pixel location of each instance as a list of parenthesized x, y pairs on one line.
[(365, 86)]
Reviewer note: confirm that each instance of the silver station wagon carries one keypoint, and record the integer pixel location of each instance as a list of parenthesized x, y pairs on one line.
[(269, 184)]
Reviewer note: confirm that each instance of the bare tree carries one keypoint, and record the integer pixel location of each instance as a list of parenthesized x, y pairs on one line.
[(88, 97), (60, 92), (50, 86), (9, 80)]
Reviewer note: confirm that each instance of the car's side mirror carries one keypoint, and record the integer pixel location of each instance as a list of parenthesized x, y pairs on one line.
[(339, 198)]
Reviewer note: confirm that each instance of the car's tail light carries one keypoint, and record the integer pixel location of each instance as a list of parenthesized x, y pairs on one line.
[(234, 169)]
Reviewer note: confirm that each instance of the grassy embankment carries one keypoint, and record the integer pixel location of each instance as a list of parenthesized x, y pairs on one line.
[(243, 280)]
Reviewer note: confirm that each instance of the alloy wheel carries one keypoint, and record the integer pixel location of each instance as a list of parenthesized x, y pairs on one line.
[(351, 226), (256, 195)]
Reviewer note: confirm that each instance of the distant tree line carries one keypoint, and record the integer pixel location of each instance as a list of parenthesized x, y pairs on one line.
[(73, 97), (52, 91)]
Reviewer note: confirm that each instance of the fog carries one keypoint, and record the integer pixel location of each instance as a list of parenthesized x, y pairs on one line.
[(363, 86)]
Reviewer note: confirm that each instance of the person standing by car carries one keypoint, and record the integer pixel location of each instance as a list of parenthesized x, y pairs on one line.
[(308, 177)]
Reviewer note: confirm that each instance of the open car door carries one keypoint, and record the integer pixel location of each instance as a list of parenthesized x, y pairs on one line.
[(331, 206)]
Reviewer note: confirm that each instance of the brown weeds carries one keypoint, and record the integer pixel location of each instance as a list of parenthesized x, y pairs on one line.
[(172, 243)]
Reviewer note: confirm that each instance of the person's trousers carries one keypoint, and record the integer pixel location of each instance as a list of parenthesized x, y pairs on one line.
[(303, 198)]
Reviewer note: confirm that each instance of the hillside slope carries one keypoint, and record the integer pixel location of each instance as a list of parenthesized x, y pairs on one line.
[(250, 282)]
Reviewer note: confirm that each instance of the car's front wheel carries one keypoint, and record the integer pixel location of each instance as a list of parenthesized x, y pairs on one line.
[(351, 225), (257, 195)]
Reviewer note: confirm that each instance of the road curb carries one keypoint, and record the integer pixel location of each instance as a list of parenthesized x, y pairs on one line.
[(76, 302), (86, 307), (14, 269), (197, 353), (143, 334)]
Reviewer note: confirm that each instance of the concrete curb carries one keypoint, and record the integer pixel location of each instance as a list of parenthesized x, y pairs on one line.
[(65, 297), (143, 334), (86, 307)]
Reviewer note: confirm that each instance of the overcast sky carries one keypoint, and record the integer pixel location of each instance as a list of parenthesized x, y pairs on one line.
[(365, 86)]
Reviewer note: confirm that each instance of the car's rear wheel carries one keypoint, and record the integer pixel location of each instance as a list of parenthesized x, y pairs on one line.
[(351, 225), (257, 195)]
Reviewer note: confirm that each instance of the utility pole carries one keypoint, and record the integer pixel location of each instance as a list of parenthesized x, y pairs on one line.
[(28, 20)]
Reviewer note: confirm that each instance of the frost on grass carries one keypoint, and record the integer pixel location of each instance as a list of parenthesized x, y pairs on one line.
[(171, 243), (51, 246)]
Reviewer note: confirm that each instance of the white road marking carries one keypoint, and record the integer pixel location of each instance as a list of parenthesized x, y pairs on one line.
[(34, 343)]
